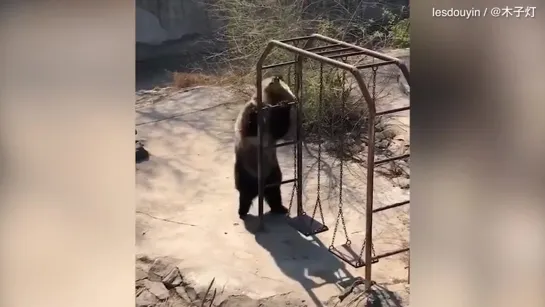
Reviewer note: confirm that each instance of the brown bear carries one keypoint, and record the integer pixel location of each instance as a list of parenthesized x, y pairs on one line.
[(279, 122)]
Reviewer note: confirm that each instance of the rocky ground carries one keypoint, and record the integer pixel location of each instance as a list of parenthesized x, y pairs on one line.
[(160, 283), (188, 233)]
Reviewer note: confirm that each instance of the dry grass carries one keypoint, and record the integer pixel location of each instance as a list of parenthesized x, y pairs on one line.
[(183, 80), (237, 83)]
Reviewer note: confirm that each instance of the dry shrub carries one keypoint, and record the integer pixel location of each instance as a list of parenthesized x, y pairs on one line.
[(182, 80)]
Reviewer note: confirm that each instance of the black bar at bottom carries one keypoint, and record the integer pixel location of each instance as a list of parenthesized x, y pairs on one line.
[(388, 254), (393, 111), (391, 206), (392, 159)]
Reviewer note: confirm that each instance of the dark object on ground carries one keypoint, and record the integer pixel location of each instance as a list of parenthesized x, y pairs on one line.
[(141, 153)]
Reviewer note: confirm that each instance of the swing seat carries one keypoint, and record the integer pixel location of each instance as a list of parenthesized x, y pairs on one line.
[(347, 253), (306, 225)]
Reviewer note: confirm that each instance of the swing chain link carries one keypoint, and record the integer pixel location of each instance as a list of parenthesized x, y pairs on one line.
[(318, 189), (363, 248), (341, 204), (320, 102), (375, 69), (340, 215)]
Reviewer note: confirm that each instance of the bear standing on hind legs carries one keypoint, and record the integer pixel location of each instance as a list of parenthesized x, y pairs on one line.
[(278, 124)]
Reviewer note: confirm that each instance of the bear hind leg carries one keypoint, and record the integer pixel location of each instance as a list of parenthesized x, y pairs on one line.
[(246, 197), (273, 197)]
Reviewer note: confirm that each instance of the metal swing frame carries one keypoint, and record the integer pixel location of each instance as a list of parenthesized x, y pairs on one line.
[(328, 54)]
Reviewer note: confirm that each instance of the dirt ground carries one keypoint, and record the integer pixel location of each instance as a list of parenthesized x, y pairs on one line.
[(186, 210)]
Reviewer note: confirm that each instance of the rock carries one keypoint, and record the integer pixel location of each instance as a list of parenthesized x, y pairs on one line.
[(183, 294), (158, 289), (239, 301), (379, 135), (165, 272), (146, 299), (173, 279), (191, 293), (141, 153), (140, 274), (383, 144), (174, 301), (140, 285), (143, 258), (285, 299), (398, 147), (187, 293), (372, 301), (404, 183), (159, 269), (139, 290), (387, 133)]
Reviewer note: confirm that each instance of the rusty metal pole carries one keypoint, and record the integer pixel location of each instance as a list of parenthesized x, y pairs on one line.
[(369, 200), (409, 270), (260, 127), (298, 136), (370, 177)]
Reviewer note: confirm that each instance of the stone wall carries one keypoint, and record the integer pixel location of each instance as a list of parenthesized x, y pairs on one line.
[(158, 21), (167, 27)]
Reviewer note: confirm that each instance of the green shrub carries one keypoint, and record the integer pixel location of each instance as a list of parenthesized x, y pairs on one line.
[(400, 34)]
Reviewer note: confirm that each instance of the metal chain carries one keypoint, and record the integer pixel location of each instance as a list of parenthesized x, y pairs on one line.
[(342, 165), (375, 69), (340, 215), (332, 245), (363, 248), (341, 204), (318, 199)]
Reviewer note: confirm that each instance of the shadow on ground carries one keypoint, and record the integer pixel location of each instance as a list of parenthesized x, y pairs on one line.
[(299, 258)]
